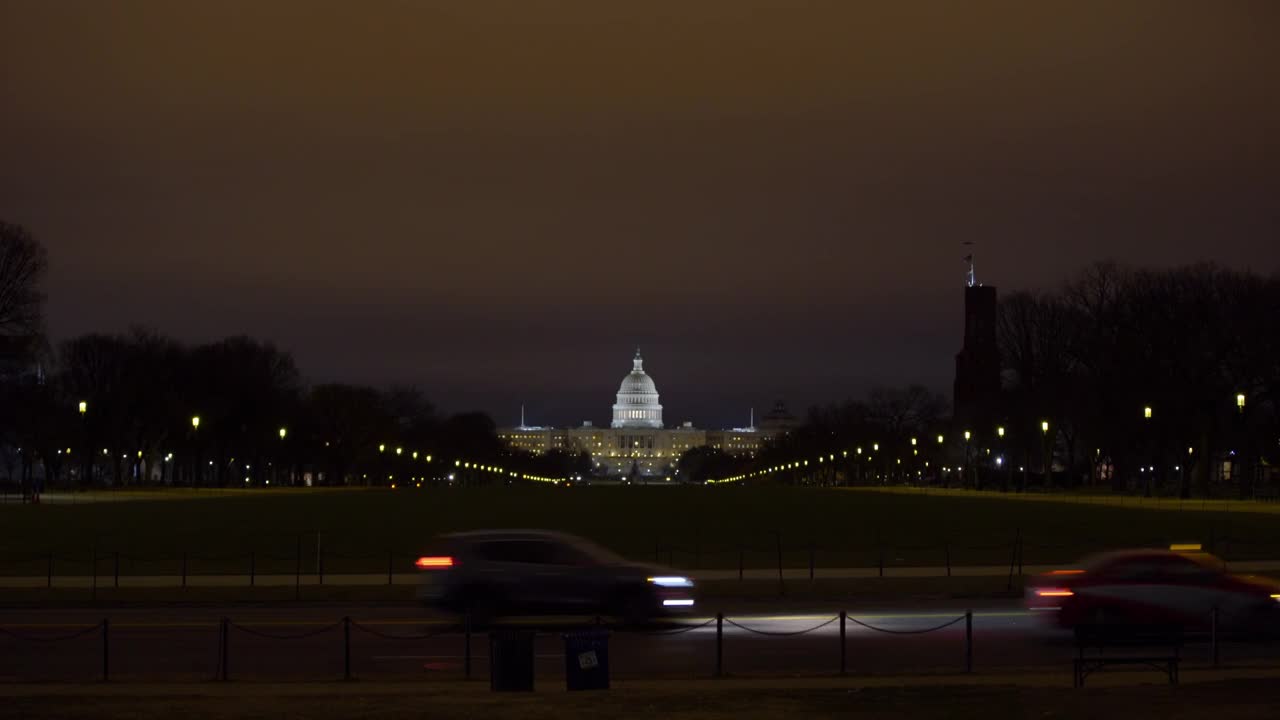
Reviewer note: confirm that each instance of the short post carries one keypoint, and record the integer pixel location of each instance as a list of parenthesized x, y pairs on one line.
[(1213, 635), (946, 549), (93, 564), (253, 567), (50, 570), (719, 644), (968, 641), (466, 650), (390, 564), (782, 585), (843, 646), (346, 648), (224, 637), (106, 650), (297, 571), (1013, 559), (657, 551), (880, 558), (811, 553), (741, 553), (184, 568), (116, 569)]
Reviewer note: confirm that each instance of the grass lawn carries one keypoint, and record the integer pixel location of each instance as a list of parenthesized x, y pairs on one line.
[(691, 527)]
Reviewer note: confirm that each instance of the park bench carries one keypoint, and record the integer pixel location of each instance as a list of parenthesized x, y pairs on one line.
[(1098, 647)]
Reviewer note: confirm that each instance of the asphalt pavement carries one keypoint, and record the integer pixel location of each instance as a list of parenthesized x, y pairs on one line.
[(289, 642), (108, 579)]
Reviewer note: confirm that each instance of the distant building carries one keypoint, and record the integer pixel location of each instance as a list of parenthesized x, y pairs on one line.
[(977, 381), (779, 419), (636, 441)]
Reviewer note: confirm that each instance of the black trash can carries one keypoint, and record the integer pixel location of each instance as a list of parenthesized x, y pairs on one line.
[(511, 660), (586, 660)]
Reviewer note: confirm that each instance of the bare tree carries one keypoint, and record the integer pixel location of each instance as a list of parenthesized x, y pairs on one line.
[(904, 411), (23, 262)]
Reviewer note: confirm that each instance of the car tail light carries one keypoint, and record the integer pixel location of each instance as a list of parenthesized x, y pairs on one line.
[(1054, 592), (433, 563)]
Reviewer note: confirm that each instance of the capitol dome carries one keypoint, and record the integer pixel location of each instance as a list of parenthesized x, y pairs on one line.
[(637, 405)]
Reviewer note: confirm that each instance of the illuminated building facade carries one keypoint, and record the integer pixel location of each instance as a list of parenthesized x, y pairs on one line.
[(636, 443)]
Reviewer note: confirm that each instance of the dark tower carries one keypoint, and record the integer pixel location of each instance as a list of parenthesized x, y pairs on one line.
[(977, 382)]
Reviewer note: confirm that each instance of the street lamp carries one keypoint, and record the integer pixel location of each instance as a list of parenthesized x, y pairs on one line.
[(85, 469), (1048, 460), (197, 467), (1239, 402), (1146, 414), (1000, 431), (283, 432)]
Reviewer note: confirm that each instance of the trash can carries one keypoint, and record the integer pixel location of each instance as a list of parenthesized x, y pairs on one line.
[(510, 660), (586, 660)]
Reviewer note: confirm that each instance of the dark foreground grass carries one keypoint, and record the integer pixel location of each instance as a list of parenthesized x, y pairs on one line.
[(690, 527), (1227, 700)]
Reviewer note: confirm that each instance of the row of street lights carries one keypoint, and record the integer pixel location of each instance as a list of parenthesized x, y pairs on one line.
[(283, 432), (858, 452), (1147, 413)]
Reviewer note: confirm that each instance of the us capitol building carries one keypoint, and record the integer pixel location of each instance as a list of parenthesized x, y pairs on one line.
[(636, 443)]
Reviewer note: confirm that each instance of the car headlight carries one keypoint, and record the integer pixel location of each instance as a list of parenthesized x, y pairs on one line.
[(671, 581)]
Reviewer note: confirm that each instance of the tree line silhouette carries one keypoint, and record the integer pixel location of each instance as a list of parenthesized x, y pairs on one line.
[(1123, 378), (1129, 378), (142, 408)]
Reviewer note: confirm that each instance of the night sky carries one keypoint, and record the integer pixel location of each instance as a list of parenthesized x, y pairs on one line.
[(498, 201)]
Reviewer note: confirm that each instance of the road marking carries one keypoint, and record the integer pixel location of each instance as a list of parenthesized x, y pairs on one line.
[(541, 656)]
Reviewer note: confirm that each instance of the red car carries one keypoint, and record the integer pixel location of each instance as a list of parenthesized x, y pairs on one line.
[(1172, 588)]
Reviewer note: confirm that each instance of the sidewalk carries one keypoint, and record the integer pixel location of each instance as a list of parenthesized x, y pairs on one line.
[(1132, 502), (1224, 695), (1035, 678), (373, 579), (92, 497)]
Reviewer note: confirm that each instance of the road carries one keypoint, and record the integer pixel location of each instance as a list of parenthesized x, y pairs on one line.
[(297, 642), (109, 579)]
